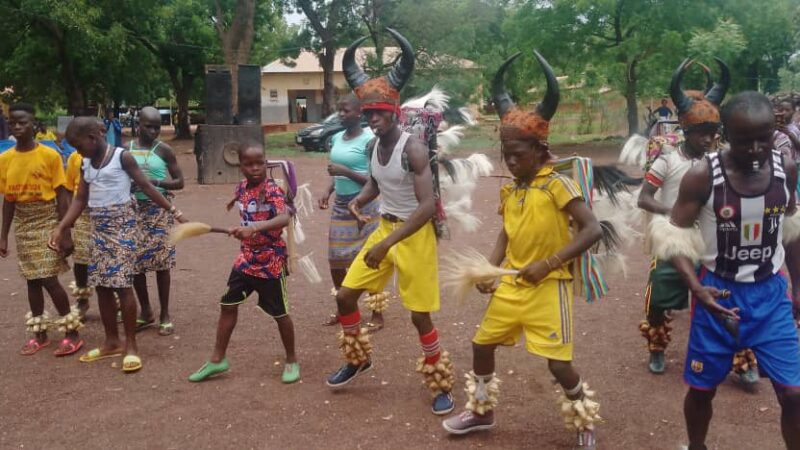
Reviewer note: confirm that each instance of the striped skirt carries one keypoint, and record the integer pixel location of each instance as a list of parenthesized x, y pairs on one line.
[(33, 223), (154, 252), (113, 246), (345, 239), (81, 237)]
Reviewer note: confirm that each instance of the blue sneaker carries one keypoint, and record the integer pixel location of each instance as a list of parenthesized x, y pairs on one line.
[(657, 363), (347, 373), (443, 404)]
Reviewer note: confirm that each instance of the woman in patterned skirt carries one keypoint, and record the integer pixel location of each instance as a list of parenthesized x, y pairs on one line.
[(349, 171)]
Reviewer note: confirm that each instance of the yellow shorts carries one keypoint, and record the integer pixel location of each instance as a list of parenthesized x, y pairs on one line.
[(416, 261), (543, 312)]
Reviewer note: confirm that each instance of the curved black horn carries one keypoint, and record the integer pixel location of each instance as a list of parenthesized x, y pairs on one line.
[(402, 69), (717, 93), (709, 78), (502, 101), (547, 108), (352, 72), (679, 98)]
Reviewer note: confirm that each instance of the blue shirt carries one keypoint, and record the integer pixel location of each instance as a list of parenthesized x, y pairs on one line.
[(353, 155)]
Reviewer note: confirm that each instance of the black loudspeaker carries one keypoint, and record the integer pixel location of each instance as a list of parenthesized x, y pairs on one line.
[(249, 95), (218, 96)]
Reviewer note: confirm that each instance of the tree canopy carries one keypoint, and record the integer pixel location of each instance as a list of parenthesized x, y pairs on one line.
[(71, 54)]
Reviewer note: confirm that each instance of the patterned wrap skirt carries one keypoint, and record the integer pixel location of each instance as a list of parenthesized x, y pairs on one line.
[(113, 246), (81, 237), (345, 239), (33, 223), (154, 252)]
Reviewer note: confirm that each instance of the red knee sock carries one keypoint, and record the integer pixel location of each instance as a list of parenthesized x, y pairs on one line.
[(430, 346), (351, 323)]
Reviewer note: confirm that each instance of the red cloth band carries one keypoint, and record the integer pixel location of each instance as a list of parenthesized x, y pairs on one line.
[(652, 179), (351, 323), (430, 346), (380, 106)]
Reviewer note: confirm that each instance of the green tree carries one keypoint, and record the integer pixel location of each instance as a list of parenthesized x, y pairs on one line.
[(54, 56), (179, 34), (330, 25)]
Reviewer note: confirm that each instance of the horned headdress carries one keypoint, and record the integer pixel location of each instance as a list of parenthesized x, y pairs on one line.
[(382, 92), (696, 107), (525, 125)]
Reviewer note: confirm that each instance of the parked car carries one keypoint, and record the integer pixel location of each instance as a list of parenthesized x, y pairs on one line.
[(317, 137)]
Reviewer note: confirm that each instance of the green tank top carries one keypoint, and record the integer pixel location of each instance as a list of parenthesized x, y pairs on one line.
[(153, 166)]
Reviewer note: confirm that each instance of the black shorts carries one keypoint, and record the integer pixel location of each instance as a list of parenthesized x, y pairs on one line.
[(272, 298)]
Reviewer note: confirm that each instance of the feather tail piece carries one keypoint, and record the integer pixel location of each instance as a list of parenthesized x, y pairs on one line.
[(299, 235), (467, 116), (481, 165), (450, 138), (304, 202), (634, 152), (309, 269), (610, 180), (464, 269), (435, 99)]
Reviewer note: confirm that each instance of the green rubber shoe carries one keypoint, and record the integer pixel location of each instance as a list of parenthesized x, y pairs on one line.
[(210, 369), (291, 373), (657, 363)]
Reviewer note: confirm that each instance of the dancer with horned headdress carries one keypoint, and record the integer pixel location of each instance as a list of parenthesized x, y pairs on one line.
[(405, 239), (699, 119), (537, 209)]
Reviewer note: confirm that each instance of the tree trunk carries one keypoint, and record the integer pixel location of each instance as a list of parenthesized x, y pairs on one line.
[(75, 93), (630, 98), (328, 87), (182, 84), (183, 128), (237, 42)]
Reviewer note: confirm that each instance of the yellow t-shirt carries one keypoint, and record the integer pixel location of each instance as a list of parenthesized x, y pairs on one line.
[(48, 136), (73, 173), (31, 176), (534, 220)]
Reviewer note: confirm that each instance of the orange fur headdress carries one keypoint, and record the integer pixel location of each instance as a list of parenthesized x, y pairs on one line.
[(383, 92), (696, 107), (516, 124)]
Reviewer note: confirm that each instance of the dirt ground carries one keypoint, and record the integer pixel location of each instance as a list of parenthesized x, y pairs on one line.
[(61, 403)]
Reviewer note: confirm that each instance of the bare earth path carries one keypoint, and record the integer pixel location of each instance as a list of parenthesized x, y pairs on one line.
[(49, 403)]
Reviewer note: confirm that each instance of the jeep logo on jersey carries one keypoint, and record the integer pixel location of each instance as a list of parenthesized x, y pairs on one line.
[(753, 255), (751, 233)]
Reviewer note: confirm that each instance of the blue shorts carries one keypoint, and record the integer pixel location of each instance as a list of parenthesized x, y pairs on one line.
[(767, 327)]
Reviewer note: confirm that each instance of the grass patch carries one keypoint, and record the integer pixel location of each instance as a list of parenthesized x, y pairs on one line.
[(482, 138), (282, 144)]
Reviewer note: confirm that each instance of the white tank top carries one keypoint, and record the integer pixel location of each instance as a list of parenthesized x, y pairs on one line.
[(109, 185), (395, 183)]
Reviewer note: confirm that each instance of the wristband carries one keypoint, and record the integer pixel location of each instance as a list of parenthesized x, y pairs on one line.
[(547, 261), (560, 261), (177, 214), (172, 209)]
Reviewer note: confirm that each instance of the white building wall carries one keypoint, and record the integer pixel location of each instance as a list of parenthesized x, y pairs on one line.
[(275, 89)]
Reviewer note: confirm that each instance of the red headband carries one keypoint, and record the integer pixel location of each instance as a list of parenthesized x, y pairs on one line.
[(380, 106)]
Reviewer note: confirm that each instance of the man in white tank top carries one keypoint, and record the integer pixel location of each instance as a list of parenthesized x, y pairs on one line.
[(404, 241), (665, 290), (735, 212)]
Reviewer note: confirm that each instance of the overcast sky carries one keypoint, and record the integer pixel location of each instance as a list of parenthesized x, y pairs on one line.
[(294, 19)]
